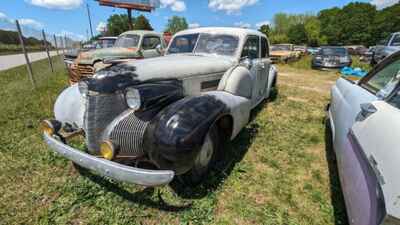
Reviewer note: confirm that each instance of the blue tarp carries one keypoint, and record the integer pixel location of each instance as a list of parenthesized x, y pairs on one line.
[(357, 72)]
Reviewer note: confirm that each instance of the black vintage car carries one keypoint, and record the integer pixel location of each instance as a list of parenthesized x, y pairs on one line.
[(331, 58)]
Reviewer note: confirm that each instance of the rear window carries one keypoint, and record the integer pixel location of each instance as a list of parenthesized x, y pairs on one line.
[(333, 51)]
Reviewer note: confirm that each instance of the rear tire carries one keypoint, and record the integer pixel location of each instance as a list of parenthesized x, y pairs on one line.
[(205, 159)]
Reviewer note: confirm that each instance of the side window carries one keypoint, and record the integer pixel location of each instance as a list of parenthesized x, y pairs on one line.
[(384, 81), (150, 42), (264, 48), (384, 41), (396, 40), (251, 48)]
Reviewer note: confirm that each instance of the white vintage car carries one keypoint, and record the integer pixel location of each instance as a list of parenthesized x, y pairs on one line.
[(147, 121)]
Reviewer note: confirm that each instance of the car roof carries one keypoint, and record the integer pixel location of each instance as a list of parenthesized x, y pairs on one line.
[(242, 32), (104, 38), (141, 32)]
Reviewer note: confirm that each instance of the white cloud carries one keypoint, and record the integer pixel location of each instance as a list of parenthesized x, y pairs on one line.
[(265, 22), (101, 27), (194, 25), (230, 6), (242, 24), (380, 4), (56, 4), (31, 23), (2, 15), (174, 5), (72, 35)]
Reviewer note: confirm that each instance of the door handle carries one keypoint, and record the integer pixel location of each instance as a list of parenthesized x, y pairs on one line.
[(367, 109)]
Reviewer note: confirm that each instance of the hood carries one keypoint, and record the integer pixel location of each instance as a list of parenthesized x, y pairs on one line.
[(281, 53), (177, 66), (90, 57)]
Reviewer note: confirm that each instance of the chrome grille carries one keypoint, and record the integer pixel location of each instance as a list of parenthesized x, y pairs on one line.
[(101, 109), (128, 135)]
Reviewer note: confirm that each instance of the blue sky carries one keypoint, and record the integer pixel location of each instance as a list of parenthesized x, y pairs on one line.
[(69, 16)]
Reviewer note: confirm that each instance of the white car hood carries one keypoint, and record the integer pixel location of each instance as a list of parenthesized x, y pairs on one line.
[(171, 66)]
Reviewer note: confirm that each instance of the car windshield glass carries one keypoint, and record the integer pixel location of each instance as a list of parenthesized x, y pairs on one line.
[(107, 43), (333, 51), (206, 43), (183, 44), (127, 41), (217, 44), (280, 48), (396, 40)]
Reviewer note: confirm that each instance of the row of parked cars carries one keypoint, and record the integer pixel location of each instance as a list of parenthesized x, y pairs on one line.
[(149, 119)]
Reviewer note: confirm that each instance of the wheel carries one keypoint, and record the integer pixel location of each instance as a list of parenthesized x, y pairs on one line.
[(205, 159), (329, 138)]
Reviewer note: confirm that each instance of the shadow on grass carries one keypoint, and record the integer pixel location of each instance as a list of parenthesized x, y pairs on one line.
[(143, 197), (337, 199)]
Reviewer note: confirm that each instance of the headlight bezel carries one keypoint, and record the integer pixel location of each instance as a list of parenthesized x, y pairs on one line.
[(133, 98)]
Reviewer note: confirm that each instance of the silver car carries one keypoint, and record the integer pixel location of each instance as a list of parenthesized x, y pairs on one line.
[(145, 121)]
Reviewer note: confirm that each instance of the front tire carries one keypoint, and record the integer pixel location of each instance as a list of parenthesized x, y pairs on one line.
[(205, 160)]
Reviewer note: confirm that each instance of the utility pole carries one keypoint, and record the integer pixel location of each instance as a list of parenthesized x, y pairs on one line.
[(90, 19)]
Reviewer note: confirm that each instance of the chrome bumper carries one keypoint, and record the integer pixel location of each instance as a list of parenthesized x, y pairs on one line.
[(148, 178)]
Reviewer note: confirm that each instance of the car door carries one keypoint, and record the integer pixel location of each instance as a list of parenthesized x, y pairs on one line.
[(350, 103), (265, 64), (251, 52), (149, 46)]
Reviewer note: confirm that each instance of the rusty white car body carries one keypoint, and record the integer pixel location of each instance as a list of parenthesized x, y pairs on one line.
[(363, 127), (171, 112)]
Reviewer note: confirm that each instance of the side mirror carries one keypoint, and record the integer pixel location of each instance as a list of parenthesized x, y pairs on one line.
[(159, 48), (246, 62)]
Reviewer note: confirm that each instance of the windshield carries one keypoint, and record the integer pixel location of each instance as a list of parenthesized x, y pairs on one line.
[(127, 41), (219, 44), (280, 48), (107, 43), (334, 51)]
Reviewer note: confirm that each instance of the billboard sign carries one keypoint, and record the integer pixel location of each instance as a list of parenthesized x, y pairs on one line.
[(142, 5)]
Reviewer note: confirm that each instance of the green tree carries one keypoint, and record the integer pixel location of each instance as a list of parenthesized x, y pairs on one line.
[(142, 23), (312, 29), (386, 22), (176, 24), (356, 22), (265, 29), (117, 24), (297, 34), (330, 27)]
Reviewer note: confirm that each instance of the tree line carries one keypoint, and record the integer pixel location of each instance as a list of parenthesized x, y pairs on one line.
[(355, 24), (11, 38)]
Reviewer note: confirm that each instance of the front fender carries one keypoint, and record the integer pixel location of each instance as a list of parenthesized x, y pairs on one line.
[(175, 136), (70, 107)]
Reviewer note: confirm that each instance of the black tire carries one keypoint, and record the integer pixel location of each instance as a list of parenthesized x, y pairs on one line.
[(201, 169), (329, 137)]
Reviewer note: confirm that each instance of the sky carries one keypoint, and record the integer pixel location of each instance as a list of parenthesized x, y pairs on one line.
[(70, 16)]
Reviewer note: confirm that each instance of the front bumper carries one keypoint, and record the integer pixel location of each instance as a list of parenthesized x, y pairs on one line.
[(148, 178)]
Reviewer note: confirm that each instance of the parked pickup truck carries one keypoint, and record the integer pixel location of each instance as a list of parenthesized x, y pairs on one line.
[(145, 121), (137, 44), (386, 47)]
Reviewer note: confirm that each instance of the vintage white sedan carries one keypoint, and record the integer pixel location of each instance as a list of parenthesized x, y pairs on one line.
[(147, 121)]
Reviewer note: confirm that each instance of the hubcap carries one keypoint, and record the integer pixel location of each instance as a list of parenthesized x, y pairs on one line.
[(205, 154)]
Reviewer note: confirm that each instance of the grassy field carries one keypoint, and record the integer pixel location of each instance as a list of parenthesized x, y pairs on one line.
[(276, 171)]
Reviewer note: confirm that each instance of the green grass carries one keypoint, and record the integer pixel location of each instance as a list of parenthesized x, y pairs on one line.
[(16, 49), (275, 172)]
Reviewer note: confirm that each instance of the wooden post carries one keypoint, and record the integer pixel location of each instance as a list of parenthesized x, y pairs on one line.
[(28, 64), (130, 19), (47, 51), (62, 45), (66, 42), (55, 43)]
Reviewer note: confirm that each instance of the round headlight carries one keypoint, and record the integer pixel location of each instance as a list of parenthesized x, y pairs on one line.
[(132, 97), (83, 88)]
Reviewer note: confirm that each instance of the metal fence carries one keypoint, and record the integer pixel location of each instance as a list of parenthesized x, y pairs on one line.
[(53, 47)]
